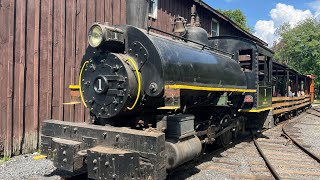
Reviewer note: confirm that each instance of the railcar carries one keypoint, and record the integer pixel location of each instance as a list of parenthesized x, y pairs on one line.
[(157, 100)]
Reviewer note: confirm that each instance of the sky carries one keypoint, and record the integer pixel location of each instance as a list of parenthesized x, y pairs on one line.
[(265, 16)]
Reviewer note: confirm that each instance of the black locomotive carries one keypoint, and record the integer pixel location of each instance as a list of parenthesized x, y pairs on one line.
[(156, 100)]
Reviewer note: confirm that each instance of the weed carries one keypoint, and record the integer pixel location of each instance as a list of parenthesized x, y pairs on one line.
[(4, 159)]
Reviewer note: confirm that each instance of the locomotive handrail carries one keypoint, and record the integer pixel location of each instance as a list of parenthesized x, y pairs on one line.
[(195, 42)]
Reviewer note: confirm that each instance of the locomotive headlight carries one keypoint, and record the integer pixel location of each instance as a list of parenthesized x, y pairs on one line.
[(95, 35)]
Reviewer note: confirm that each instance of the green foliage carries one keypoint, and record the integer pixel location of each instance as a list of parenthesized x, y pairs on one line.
[(299, 47), (4, 159), (238, 17)]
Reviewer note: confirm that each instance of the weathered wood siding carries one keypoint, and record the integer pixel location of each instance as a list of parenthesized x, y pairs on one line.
[(41, 45)]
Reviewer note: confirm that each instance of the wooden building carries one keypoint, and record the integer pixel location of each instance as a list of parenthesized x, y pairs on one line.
[(41, 45)]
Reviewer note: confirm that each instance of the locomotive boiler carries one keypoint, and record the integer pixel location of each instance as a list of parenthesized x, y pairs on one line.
[(155, 100)]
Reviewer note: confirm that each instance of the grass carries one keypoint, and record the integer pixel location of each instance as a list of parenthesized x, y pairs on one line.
[(4, 159), (39, 151)]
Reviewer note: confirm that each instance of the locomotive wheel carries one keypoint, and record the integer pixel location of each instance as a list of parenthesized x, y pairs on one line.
[(225, 138)]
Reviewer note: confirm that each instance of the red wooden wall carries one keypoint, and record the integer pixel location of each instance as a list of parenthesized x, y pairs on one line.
[(41, 45)]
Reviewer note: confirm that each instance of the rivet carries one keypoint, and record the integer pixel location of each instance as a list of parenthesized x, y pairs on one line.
[(95, 169), (107, 163), (117, 137), (64, 160), (94, 161), (104, 135)]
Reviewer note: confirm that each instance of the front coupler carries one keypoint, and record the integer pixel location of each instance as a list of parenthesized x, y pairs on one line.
[(104, 152)]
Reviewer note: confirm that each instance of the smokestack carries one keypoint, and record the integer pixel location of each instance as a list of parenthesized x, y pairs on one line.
[(137, 13)]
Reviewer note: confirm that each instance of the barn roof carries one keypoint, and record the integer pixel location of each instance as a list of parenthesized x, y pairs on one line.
[(225, 18)]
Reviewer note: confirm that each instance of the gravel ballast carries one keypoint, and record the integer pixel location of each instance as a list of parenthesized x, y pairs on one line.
[(25, 167)]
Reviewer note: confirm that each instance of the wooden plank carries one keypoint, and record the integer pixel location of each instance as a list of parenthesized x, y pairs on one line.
[(287, 98), (56, 61), (278, 111), (116, 12), (36, 123), (50, 58), (3, 63), (6, 69), (45, 63), (62, 59), (123, 12), (19, 82), (289, 103), (100, 5), (70, 57), (108, 11), (30, 136), (10, 75)]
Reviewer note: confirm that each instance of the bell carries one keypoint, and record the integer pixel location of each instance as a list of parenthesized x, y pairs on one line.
[(179, 25)]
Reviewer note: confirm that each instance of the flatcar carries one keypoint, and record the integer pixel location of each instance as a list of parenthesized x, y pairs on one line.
[(157, 100)]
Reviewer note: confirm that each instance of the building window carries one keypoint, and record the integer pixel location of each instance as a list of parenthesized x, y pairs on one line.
[(153, 9), (214, 28)]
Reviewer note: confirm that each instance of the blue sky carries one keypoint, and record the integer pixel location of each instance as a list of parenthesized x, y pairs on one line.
[(265, 16)]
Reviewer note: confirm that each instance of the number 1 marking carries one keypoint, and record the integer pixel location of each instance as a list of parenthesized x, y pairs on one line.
[(265, 92), (100, 88)]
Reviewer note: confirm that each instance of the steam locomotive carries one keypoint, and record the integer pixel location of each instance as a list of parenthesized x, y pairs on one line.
[(156, 100)]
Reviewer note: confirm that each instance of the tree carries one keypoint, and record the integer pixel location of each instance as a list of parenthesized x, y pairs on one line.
[(299, 47), (238, 17)]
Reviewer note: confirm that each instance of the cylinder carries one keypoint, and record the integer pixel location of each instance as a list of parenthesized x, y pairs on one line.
[(137, 13), (179, 152)]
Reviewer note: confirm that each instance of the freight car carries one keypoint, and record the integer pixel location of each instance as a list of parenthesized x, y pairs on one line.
[(157, 100)]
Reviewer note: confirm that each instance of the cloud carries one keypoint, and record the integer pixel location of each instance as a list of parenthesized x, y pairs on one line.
[(265, 30), (282, 13), (315, 5)]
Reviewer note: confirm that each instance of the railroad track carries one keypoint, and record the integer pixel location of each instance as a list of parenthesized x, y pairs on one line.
[(286, 157), (242, 160)]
